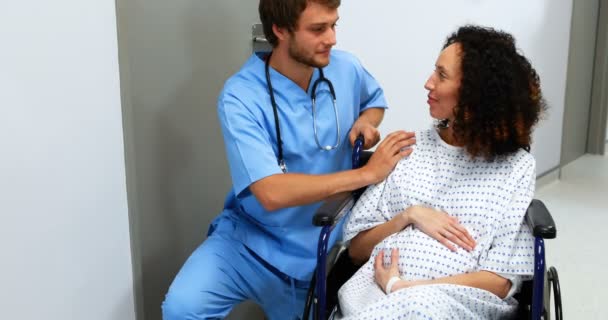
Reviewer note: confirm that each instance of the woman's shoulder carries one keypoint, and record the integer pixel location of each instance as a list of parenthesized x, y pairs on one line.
[(426, 147), (516, 166), (521, 159), (426, 137)]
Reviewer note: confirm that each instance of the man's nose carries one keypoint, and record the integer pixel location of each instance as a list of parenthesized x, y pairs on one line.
[(330, 38)]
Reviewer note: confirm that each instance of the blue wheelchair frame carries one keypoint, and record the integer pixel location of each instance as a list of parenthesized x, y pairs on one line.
[(537, 217), (326, 217)]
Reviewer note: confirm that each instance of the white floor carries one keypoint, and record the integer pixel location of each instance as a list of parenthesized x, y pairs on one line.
[(578, 203)]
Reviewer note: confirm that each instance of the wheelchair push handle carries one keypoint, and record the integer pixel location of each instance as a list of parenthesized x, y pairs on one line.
[(357, 151)]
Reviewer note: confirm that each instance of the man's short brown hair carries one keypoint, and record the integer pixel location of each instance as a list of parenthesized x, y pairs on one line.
[(285, 14)]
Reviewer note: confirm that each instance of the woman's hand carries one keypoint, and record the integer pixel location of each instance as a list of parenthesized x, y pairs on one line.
[(381, 273), (440, 226)]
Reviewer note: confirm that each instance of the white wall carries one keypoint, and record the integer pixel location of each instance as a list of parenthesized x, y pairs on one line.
[(64, 238), (398, 41)]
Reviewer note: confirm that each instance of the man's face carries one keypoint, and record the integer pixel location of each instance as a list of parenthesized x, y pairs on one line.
[(315, 34)]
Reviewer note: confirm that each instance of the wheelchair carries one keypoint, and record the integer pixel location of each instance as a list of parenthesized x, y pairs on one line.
[(534, 296)]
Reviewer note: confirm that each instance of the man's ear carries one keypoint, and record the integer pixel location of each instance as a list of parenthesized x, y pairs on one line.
[(280, 33)]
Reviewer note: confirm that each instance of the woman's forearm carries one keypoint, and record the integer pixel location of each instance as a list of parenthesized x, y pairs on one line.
[(485, 280), (361, 245)]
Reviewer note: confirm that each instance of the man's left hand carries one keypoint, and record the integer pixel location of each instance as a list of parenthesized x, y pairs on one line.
[(370, 133)]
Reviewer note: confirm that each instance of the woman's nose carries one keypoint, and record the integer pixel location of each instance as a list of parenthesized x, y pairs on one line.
[(429, 85)]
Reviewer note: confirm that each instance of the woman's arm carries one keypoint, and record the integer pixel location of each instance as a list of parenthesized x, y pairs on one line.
[(437, 224), (361, 245), (485, 280)]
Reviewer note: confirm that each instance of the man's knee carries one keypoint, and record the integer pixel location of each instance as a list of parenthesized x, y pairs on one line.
[(186, 304), (179, 305)]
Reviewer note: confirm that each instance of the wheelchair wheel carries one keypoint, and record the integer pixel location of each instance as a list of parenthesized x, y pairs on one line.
[(557, 293), (333, 314)]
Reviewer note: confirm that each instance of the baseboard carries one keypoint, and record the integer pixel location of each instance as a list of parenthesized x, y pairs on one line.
[(548, 177)]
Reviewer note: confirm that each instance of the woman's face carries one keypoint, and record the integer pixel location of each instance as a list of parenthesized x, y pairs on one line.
[(444, 83)]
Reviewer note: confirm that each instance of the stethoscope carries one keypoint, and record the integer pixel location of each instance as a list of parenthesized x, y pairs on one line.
[(321, 79)]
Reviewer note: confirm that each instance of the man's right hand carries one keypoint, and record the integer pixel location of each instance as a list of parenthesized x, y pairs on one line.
[(393, 148)]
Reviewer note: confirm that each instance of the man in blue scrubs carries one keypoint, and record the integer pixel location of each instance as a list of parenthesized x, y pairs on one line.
[(262, 247)]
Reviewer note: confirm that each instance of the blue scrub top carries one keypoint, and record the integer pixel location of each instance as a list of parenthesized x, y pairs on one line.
[(286, 238)]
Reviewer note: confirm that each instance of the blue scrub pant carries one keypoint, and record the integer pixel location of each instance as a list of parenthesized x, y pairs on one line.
[(221, 273)]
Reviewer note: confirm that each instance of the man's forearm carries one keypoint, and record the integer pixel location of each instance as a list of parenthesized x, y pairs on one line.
[(372, 116), (294, 189)]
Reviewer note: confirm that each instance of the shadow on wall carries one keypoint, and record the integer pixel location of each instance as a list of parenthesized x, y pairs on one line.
[(195, 176)]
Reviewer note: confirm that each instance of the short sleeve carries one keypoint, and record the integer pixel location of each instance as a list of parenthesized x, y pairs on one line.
[(512, 248), (372, 95), (369, 211), (248, 146), (516, 282)]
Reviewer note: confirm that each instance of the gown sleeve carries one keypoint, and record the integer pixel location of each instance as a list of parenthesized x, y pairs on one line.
[(511, 251), (370, 210)]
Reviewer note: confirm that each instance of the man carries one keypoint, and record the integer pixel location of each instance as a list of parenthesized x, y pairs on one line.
[(262, 247)]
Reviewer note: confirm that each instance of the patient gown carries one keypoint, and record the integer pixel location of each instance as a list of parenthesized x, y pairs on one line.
[(488, 198)]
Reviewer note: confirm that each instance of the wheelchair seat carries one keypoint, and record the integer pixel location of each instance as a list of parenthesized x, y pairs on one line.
[(533, 298)]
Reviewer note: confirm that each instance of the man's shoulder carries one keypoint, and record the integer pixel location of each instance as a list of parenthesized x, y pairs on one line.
[(251, 70), (247, 80), (344, 57)]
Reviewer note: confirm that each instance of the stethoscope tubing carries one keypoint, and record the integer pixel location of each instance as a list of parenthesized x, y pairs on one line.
[(321, 79)]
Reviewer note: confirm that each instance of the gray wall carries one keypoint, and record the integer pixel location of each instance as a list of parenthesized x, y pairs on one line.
[(580, 75), (599, 97), (174, 57)]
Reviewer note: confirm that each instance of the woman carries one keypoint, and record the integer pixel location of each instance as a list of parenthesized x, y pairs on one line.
[(444, 235)]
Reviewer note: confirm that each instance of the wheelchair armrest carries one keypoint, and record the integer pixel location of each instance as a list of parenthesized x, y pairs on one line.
[(333, 209), (365, 155), (540, 221)]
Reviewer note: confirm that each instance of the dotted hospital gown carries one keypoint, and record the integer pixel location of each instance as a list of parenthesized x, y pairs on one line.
[(488, 198)]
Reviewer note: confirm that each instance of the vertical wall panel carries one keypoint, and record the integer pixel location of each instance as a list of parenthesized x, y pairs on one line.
[(175, 57), (64, 234), (580, 78)]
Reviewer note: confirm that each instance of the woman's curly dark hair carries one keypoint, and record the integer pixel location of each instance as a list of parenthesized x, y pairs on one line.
[(500, 98)]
